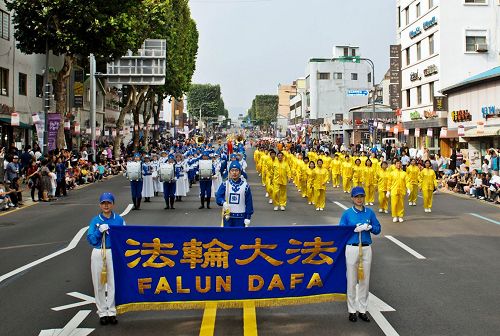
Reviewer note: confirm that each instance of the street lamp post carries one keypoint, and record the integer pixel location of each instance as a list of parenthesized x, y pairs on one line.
[(46, 94)]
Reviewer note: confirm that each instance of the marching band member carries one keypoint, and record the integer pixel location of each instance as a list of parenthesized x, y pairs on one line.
[(147, 175), (135, 181), (170, 185), (281, 175), (216, 182), (321, 179), (347, 171), (205, 179), (428, 183), (155, 165), (335, 166), (101, 262), (412, 171), (235, 197), (180, 184), (382, 185), (369, 181), (311, 177), (398, 182)]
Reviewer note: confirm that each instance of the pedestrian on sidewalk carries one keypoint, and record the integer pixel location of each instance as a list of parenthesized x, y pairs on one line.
[(366, 223), (101, 262)]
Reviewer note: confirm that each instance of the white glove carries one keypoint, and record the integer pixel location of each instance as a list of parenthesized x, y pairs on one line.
[(360, 227), (103, 227), (225, 206), (388, 194), (368, 227), (408, 191), (247, 222)]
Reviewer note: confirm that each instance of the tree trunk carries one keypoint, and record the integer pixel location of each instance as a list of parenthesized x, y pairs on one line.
[(60, 91), (146, 116)]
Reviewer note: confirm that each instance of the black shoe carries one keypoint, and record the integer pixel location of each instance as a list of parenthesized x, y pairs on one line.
[(112, 320), (147, 200), (353, 317), (202, 203), (364, 317), (104, 320), (208, 204)]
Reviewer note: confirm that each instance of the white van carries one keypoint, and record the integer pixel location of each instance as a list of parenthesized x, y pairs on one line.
[(391, 141)]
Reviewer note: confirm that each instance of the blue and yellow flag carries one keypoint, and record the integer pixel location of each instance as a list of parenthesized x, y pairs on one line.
[(160, 268)]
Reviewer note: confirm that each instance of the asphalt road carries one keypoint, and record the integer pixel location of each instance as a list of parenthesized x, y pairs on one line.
[(453, 291)]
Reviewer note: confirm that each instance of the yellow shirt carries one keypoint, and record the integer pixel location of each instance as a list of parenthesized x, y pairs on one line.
[(321, 178), (369, 176), (281, 172), (357, 172), (398, 181), (335, 166), (347, 170), (427, 179), (383, 180), (412, 172), (311, 176)]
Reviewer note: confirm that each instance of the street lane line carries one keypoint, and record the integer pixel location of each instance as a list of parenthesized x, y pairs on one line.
[(127, 210), (73, 324), (249, 319), (341, 205), (86, 301), (406, 247), (208, 322), (70, 246), (17, 209), (375, 308), (485, 218)]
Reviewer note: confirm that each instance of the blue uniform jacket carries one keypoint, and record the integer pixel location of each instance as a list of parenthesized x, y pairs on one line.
[(353, 217), (94, 236), (220, 198)]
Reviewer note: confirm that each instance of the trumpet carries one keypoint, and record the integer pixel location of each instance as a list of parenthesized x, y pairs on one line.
[(200, 140)]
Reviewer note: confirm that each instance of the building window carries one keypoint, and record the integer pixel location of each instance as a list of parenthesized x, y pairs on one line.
[(23, 84), (369, 77), (399, 17), (408, 98), (323, 75), (474, 38), (431, 4), (431, 91), (408, 56), (431, 44), (39, 86), (407, 15), (353, 52), (354, 76), (419, 95), (418, 10), (337, 75), (5, 27), (346, 52), (4, 82), (419, 51)]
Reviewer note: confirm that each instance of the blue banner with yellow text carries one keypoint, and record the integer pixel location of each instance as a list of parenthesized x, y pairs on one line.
[(160, 268)]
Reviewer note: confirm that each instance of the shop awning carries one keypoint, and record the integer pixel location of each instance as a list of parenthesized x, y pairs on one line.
[(488, 131), (21, 124)]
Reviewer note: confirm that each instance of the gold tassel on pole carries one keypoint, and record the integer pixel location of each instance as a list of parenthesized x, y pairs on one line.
[(104, 271), (361, 272)]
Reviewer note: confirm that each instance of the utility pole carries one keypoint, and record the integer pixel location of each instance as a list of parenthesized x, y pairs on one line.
[(93, 97), (46, 97)]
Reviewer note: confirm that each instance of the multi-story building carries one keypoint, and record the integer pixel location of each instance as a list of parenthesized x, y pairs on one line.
[(442, 43), (21, 84)]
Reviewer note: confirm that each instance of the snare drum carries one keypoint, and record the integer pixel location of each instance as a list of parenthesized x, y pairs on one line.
[(166, 172), (134, 171), (205, 168)]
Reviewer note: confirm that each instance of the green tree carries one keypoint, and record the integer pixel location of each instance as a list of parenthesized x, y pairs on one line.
[(208, 98), (264, 109)]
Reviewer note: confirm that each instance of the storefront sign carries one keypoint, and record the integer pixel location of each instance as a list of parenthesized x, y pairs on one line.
[(430, 114), (14, 119), (490, 111), (440, 103), (414, 76), (461, 116), (415, 33), (431, 23), (395, 97), (430, 70), (6, 109), (415, 115)]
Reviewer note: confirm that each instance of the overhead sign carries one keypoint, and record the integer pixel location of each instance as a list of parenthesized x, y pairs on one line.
[(352, 93), (395, 97)]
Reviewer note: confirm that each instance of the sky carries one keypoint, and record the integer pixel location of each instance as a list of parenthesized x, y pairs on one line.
[(251, 46)]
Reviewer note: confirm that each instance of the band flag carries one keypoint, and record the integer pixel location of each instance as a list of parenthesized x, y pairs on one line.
[(161, 268)]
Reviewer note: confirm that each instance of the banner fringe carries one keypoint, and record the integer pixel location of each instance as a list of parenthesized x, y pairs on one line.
[(186, 305)]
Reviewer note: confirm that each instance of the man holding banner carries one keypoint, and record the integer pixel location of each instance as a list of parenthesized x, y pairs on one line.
[(358, 252), (101, 263)]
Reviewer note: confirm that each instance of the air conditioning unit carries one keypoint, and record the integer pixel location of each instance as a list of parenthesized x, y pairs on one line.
[(481, 47)]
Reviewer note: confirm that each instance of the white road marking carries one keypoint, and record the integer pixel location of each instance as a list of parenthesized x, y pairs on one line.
[(485, 218), (376, 307), (74, 242), (71, 329), (341, 205), (127, 210), (406, 247), (86, 300)]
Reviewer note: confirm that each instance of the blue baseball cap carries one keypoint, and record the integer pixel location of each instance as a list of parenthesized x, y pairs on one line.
[(356, 191), (235, 164), (107, 197)]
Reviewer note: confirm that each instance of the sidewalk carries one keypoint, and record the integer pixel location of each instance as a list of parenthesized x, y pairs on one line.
[(444, 190)]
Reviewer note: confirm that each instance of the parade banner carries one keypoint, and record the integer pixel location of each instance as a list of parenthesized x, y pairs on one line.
[(164, 268), (54, 122)]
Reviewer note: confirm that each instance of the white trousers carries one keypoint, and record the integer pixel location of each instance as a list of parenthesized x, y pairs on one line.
[(104, 293), (352, 261)]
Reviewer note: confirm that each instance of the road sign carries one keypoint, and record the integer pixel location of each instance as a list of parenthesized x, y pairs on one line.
[(353, 59), (353, 93)]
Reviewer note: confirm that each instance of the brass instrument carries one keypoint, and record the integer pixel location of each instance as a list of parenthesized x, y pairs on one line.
[(200, 140)]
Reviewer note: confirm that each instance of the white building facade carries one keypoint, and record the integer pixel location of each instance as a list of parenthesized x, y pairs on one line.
[(442, 43)]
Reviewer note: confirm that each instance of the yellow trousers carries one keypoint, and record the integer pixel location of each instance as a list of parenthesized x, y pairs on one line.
[(428, 195), (370, 193), (279, 195), (270, 189), (310, 194), (335, 180), (264, 178), (320, 198), (397, 205), (356, 182), (346, 184), (383, 201), (413, 193), (303, 187)]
